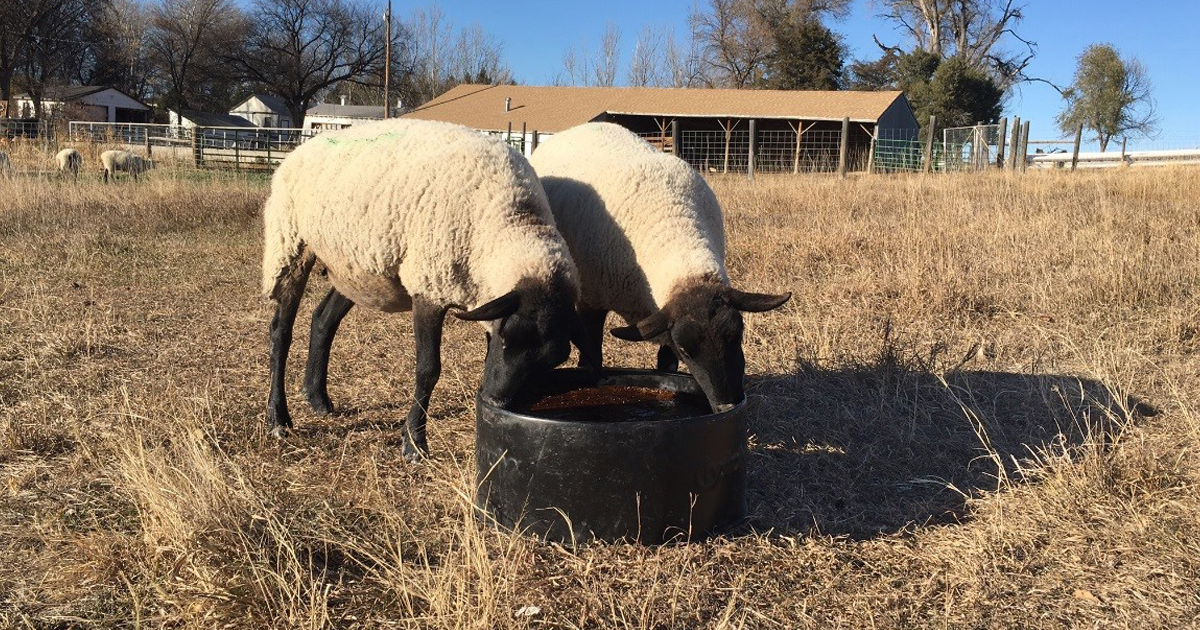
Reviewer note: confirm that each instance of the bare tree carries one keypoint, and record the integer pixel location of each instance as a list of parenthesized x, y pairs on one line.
[(298, 49), (119, 54), (645, 67), (971, 30), (735, 42), (42, 41), (608, 57), (441, 59), (190, 40), (54, 45), (682, 62)]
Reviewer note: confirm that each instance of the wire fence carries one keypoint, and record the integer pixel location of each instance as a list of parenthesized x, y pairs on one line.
[(796, 149)]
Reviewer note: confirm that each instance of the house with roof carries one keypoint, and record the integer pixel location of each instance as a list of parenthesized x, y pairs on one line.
[(329, 116), (95, 103), (710, 128), (264, 110), (190, 119)]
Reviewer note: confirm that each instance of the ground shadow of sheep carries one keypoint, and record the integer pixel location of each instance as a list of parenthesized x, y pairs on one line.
[(873, 449)]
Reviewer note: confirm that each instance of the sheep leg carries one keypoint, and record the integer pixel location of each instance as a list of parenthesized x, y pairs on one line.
[(288, 294), (591, 354), (667, 361), (325, 323), (428, 319)]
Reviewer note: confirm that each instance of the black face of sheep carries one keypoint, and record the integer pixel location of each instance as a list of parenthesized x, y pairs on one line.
[(534, 331), (702, 325)]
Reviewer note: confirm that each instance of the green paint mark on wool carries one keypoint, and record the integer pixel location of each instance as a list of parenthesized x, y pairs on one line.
[(387, 136)]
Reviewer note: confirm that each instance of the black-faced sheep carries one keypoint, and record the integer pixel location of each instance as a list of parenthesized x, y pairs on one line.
[(117, 160), (69, 161), (647, 235), (421, 216)]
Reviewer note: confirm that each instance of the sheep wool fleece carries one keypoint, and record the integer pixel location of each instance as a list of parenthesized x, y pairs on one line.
[(638, 221), (116, 160), (404, 207)]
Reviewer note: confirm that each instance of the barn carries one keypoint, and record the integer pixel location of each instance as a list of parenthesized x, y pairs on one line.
[(715, 130), (96, 103)]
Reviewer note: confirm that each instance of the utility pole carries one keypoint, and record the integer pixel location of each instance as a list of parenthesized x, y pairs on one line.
[(387, 62)]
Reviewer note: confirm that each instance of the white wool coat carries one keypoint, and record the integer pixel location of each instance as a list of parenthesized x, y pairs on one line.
[(69, 160), (409, 207), (640, 223), (117, 160)]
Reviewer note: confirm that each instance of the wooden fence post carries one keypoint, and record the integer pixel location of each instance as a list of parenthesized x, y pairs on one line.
[(799, 140), (675, 139), (533, 142), (1075, 151), (523, 138), (1000, 143), (1123, 140), (1016, 143), (197, 147), (1024, 145), (871, 152), (268, 146), (753, 142), (728, 127), (237, 151), (927, 163), (844, 147)]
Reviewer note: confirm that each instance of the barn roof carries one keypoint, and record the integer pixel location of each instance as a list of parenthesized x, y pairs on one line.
[(346, 111), (552, 109), (71, 93), (210, 119)]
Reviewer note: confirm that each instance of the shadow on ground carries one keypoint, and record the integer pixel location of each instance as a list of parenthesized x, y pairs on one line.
[(873, 449)]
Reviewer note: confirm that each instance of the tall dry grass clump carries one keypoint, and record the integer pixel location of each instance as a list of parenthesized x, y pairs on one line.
[(977, 410)]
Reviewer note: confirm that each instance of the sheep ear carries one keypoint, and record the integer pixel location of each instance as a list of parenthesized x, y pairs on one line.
[(755, 302), (645, 330), (498, 308)]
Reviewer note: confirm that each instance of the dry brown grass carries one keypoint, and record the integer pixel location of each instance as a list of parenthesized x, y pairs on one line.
[(978, 410)]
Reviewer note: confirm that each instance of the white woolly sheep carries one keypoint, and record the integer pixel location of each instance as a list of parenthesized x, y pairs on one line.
[(69, 161), (647, 236), (5, 165), (117, 160), (422, 216)]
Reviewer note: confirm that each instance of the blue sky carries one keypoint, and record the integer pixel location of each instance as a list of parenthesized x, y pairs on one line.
[(1161, 33)]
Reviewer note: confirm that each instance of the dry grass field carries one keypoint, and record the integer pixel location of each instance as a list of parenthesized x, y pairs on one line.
[(978, 410)]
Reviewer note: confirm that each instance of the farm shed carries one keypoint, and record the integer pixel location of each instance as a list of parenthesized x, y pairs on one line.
[(264, 110), (794, 130), (190, 119), (95, 103), (326, 116)]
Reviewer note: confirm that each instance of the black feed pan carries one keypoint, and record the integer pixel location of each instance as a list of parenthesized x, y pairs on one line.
[(609, 477)]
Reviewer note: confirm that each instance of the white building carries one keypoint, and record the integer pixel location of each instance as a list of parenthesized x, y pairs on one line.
[(189, 119), (95, 103), (327, 116), (264, 110)]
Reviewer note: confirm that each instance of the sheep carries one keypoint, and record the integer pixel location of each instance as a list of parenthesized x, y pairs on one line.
[(5, 165), (421, 216), (70, 161), (117, 160), (648, 239)]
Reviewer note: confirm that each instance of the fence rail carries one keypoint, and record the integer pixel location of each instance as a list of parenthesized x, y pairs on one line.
[(739, 149)]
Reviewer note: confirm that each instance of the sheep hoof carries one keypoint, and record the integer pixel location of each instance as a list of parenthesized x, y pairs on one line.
[(321, 405), (412, 454), (278, 422)]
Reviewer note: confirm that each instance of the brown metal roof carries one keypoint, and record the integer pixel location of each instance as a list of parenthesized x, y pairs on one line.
[(552, 109)]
